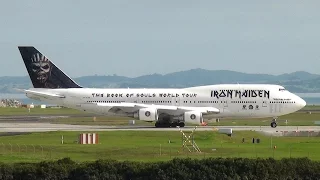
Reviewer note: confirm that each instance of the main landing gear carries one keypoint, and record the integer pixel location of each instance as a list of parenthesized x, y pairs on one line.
[(167, 124), (274, 123)]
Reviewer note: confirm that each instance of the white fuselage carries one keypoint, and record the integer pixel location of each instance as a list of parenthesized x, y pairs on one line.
[(232, 100)]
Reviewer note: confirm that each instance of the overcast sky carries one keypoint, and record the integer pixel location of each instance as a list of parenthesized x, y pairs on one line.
[(133, 38)]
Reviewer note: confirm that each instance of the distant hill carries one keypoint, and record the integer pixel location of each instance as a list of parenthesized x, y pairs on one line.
[(299, 82)]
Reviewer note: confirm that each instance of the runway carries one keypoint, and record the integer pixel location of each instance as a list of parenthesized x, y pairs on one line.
[(42, 123), (35, 118), (45, 127)]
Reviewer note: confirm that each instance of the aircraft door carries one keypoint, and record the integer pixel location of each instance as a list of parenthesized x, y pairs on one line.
[(176, 101), (251, 109), (264, 104), (136, 100), (280, 107), (225, 103), (273, 107)]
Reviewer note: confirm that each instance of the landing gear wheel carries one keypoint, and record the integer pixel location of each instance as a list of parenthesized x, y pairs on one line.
[(161, 125), (273, 124), (157, 124), (181, 124), (175, 124)]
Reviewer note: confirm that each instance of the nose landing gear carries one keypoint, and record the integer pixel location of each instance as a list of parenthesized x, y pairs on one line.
[(274, 123)]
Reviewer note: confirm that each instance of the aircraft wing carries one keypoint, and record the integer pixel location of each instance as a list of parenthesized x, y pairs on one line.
[(167, 108), (131, 107)]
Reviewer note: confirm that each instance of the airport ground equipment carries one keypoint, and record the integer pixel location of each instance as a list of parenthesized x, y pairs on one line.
[(88, 138), (188, 141), (227, 131)]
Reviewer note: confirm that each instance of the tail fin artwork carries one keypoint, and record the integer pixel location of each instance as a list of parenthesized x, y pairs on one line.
[(43, 73)]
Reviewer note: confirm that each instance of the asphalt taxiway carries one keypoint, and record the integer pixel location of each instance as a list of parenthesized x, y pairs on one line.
[(35, 118), (41, 123), (44, 127)]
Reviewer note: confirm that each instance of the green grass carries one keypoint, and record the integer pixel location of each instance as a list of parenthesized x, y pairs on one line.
[(310, 108), (145, 146)]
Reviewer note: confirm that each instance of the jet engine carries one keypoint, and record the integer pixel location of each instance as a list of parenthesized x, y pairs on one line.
[(194, 117), (147, 114)]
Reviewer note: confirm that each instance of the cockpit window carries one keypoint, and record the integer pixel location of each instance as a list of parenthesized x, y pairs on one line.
[(282, 89)]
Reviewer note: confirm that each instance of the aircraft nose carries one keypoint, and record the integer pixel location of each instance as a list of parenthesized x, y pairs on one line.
[(301, 103)]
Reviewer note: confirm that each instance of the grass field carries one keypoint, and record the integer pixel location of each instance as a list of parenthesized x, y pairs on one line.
[(151, 146)]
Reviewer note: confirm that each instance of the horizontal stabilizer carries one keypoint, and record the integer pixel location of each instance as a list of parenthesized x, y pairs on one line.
[(43, 94)]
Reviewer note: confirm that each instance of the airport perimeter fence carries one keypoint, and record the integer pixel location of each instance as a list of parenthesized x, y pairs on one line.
[(25, 152)]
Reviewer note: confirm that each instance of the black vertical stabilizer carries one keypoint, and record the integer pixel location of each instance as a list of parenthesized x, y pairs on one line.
[(43, 73)]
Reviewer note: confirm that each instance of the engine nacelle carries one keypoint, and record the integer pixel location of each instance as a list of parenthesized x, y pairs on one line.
[(147, 114), (194, 117)]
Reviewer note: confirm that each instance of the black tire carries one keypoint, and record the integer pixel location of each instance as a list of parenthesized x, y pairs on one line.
[(175, 124), (273, 124), (181, 124), (162, 125), (168, 125), (157, 124)]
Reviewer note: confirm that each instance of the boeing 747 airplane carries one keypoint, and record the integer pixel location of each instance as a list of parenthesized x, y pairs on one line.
[(164, 107)]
